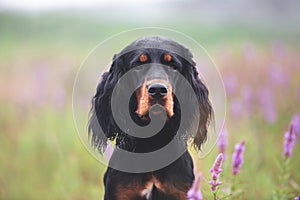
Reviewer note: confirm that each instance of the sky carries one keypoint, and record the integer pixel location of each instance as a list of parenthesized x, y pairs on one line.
[(61, 4), (263, 13)]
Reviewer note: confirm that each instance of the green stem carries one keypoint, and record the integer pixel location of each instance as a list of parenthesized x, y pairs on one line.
[(283, 179), (233, 183)]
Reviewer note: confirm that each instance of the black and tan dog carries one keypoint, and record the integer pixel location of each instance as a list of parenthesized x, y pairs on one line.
[(172, 181)]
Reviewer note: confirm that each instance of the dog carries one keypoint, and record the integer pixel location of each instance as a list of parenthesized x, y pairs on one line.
[(154, 95)]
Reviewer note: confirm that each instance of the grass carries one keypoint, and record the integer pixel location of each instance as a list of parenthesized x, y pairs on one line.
[(45, 158), (41, 154)]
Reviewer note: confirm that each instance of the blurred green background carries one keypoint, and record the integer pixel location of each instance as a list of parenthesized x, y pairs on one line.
[(256, 46)]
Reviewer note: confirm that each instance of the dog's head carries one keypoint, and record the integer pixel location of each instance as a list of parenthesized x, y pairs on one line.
[(156, 93)]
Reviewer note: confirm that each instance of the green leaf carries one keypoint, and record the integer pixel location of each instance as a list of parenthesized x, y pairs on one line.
[(295, 185), (226, 196), (236, 193)]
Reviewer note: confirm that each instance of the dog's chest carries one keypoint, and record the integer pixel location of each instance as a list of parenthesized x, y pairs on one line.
[(149, 186)]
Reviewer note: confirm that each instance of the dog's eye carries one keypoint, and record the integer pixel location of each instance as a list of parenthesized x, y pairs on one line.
[(167, 57), (143, 58)]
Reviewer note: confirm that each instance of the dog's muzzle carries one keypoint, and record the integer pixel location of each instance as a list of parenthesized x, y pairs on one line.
[(155, 95)]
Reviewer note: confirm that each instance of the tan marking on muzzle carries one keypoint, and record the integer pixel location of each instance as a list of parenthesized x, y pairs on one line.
[(143, 99), (169, 102)]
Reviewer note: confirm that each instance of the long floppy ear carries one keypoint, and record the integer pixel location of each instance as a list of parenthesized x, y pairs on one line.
[(205, 108), (102, 126)]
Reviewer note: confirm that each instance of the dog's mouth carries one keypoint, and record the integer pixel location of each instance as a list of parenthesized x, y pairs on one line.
[(157, 109), (154, 97)]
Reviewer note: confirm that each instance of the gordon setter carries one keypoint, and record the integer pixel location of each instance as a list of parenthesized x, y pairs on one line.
[(170, 182)]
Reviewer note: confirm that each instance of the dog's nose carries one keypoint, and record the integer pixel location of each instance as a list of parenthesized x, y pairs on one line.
[(157, 90)]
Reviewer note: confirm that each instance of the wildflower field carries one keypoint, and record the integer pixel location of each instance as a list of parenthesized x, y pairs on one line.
[(41, 155)]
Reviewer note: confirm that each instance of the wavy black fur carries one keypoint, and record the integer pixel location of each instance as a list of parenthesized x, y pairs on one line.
[(101, 114)]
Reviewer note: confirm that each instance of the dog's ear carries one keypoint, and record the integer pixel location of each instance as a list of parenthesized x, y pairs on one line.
[(205, 108), (102, 126)]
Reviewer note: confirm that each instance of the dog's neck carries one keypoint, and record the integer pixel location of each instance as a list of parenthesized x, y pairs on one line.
[(145, 145)]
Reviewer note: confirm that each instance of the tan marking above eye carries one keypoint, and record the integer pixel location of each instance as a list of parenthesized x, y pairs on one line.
[(143, 58), (167, 57)]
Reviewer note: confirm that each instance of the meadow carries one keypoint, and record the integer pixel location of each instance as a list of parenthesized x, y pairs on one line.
[(41, 154)]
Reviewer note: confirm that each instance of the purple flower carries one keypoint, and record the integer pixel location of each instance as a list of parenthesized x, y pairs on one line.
[(215, 171), (236, 108), (279, 49), (41, 83), (267, 105), (296, 125), (289, 141), (247, 96), (223, 142), (230, 83), (195, 193), (108, 151), (59, 97), (297, 197), (278, 76), (238, 157)]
